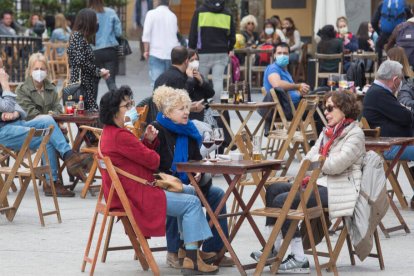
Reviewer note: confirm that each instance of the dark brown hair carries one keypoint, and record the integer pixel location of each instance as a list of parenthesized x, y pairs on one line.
[(86, 23), (346, 101), (96, 5)]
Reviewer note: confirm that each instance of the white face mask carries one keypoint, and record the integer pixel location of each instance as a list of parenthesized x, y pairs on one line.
[(269, 31), (369, 34), (194, 64), (343, 30), (39, 75)]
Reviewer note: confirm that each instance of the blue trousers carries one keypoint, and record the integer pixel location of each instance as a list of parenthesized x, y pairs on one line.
[(214, 244), (12, 135), (185, 209), (157, 66)]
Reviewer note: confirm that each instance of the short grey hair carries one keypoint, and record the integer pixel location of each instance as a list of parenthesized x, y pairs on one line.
[(389, 69)]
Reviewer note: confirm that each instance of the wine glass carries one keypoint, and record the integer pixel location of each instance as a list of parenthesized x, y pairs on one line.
[(343, 82), (208, 142), (331, 81), (218, 136)]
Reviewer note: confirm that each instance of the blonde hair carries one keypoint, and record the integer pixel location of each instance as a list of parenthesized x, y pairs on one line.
[(37, 57), (341, 18), (60, 22), (167, 98), (398, 54), (245, 20)]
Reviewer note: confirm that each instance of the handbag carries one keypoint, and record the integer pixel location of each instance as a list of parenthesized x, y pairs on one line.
[(73, 91), (123, 48), (162, 180)]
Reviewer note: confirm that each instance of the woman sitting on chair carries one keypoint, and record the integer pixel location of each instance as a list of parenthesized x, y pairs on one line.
[(180, 142), (342, 143), (150, 205)]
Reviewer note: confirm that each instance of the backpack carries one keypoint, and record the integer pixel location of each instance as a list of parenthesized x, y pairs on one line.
[(235, 68), (405, 39), (371, 206), (392, 14), (356, 73), (264, 58)]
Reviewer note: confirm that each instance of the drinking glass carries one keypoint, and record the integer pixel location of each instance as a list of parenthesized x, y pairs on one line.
[(208, 142), (224, 98), (218, 135), (70, 107), (331, 81), (343, 82), (257, 148)]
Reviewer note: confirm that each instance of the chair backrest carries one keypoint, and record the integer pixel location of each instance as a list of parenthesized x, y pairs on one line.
[(308, 126), (41, 151), (372, 132), (300, 73), (363, 123), (279, 110), (96, 131), (58, 59), (326, 57)]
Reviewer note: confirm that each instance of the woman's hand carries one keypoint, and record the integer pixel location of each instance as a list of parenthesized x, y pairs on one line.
[(150, 133), (105, 73), (197, 177), (9, 116), (198, 77)]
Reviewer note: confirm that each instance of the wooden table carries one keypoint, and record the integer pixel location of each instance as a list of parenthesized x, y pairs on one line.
[(228, 168), (380, 145), (250, 108)]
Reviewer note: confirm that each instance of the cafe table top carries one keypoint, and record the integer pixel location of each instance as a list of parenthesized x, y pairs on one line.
[(87, 118), (386, 142), (242, 106)]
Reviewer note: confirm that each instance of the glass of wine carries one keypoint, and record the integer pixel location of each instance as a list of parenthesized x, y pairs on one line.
[(331, 81), (257, 148), (343, 82), (208, 142), (218, 135)]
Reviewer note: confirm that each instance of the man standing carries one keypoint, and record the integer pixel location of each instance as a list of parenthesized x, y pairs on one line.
[(213, 35), (382, 109), (159, 37)]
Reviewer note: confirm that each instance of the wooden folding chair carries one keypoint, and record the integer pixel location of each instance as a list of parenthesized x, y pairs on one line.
[(327, 57), (4, 162), (92, 172), (32, 171), (302, 213), (138, 241), (58, 63)]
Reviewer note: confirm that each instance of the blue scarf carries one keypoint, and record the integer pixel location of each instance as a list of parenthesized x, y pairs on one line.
[(181, 143)]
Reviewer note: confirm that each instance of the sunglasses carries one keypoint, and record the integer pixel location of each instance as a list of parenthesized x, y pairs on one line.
[(128, 105), (250, 23), (329, 108)]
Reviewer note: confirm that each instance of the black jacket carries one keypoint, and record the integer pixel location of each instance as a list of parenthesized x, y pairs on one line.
[(382, 109), (208, 39), (406, 94), (173, 77)]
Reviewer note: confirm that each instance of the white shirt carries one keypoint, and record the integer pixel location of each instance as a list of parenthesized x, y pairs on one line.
[(160, 31)]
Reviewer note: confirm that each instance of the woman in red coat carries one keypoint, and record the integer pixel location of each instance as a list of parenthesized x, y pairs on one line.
[(149, 204)]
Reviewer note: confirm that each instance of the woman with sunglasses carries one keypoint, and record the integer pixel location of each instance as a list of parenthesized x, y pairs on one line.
[(342, 143), (248, 26)]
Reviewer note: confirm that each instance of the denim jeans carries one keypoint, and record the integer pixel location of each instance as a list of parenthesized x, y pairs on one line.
[(407, 155), (186, 211), (157, 66), (107, 58), (214, 244), (276, 196), (12, 136), (217, 63)]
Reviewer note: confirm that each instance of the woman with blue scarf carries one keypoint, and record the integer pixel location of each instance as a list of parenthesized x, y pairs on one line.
[(180, 142)]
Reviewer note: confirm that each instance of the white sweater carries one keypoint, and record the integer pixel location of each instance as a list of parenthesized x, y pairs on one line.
[(341, 172)]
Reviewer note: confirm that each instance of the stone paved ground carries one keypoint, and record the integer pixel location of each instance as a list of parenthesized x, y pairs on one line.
[(26, 248)]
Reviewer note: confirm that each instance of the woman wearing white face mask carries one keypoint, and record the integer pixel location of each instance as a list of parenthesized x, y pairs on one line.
[(37, 95), (270, 34), (349, 40)]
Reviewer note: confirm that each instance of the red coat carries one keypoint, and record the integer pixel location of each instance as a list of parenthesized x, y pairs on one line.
[(148, 203)]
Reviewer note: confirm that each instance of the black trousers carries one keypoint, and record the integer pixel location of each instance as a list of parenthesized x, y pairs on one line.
[(276, 195), (107, 58)]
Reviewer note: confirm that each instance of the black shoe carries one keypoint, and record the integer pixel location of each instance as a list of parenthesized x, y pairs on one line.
[(142, 58), (412, 203)]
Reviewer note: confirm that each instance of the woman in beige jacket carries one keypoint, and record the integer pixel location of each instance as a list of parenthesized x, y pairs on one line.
[(342, 143)]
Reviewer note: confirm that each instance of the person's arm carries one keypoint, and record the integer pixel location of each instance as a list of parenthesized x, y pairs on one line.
[(297, 44), (79, 59), (376, 18), (207, 89), (117, 25), (8, 98), (352, 45), (193, 36), (26, 102), (232, 36), (56, 107), (276, 81), (406, 95), (146, 34), (281, 35), (351, 150), (392, 40), (393, 110)]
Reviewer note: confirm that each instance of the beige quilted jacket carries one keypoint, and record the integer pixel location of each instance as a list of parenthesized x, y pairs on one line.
[(341, 172)]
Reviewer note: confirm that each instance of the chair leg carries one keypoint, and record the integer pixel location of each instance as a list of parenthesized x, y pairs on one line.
[(39, 204), (108, 238), (350, 250), (23, 187), (90, 179), (379, 250)]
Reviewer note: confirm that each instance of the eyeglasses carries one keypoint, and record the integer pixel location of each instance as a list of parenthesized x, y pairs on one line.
[(329, 108), (128, 105)]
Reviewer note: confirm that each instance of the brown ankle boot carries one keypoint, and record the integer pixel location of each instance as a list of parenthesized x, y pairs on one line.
[(194, 265), (207, 257), (61, 191), (76, 163)]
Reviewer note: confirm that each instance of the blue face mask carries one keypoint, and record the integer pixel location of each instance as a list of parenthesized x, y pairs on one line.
[(282, 60)]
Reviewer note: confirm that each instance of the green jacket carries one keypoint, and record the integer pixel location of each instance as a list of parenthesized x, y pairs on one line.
[(33, 103)]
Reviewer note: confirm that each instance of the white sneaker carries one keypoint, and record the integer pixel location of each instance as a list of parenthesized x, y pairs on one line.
[(292, 266), (257, 254)]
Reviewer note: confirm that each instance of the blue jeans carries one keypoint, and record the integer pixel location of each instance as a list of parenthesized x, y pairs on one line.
[(214, 244), (12, 136), (186, 211), (407, 155), (157, 66)]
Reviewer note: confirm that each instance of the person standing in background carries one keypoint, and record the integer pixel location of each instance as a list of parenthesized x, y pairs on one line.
[(159, 38), (105, 49), (141, 9)]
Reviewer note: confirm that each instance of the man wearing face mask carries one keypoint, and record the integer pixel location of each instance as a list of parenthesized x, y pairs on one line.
[(382, 109)]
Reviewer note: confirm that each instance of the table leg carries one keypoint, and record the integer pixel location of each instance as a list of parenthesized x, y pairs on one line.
[(215, 221), (239, 131)]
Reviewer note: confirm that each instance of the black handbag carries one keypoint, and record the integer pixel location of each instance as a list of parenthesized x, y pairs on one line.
[(72, 92), (123, 48)]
